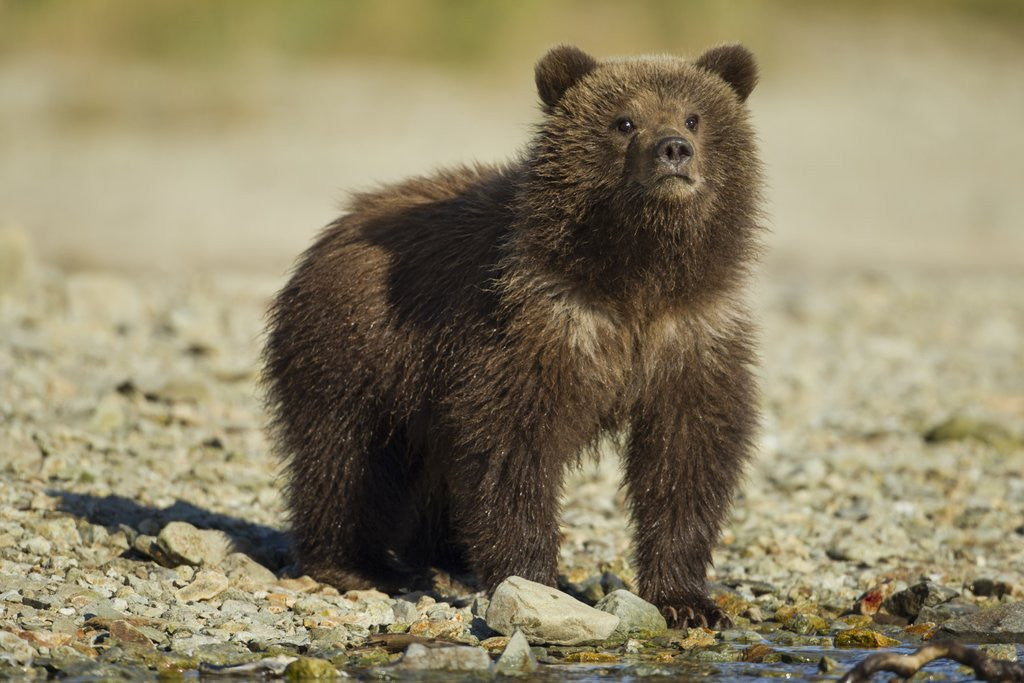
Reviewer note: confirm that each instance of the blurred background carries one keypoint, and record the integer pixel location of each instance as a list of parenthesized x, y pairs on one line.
[(213, 135)]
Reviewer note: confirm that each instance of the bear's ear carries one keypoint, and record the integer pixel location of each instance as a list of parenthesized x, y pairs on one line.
[(558, 69), (735, 65)]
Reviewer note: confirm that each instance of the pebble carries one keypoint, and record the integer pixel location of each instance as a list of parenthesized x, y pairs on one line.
[(305, 668), (446, 658), (124, 416), (1000, 624), (185, 544), (517, 658), (634, 613), (909, 603), (864, 638), (207, 584), (546, 615)]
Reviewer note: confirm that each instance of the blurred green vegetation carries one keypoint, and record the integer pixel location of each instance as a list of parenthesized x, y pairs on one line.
[(454, 32)]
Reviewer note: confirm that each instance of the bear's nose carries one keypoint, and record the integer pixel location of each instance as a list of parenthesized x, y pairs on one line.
[(673, 150)]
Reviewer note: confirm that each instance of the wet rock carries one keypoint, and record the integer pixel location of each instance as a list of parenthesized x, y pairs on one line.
[(756, 654), (447, 658), (517, 659), (716, 653), (909, 603), (185, 544), (1001, 624), (310, 667), (827, 665), (946, 611), (587, 657), (634, 613), (546, 615), (697, 637), (207, 584), (806, 624), (1004, 651), (864, 638)]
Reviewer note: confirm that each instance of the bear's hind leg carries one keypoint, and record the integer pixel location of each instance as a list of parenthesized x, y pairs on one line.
[(346, 510)]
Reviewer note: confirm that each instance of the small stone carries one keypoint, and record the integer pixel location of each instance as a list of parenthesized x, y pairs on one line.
[(806, 624), (634, 613), (909, 603), (517, 659), (947, 611), (245, 572), (865, 638), (715, 653), (827, 665), (310, 667), (45, 638), (418, 657), (961, 427), (1003, 651), (185, 544), (851, 548), (546, 615), (207, 584), (37, 545), (109, 415), (590, 657), (405, 612), (443, 629), (697, 637), (755, 654), (1000, 624), (101, 608), (15, 650), (126, 633)]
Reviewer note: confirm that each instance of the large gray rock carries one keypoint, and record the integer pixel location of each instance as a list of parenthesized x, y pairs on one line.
[(452, 658), (546, 615), (1001, 624), (517, 659), (634, 613)]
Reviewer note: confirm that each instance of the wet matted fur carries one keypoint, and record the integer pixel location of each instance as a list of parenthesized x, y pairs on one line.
[(452, 343)]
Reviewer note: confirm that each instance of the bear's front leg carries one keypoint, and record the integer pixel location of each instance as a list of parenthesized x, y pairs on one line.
[(691, 435)]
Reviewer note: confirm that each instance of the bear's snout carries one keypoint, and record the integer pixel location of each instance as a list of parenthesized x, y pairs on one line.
[(674, 151)]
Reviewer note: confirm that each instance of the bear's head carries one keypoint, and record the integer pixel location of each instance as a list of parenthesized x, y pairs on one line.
[(657, 148)]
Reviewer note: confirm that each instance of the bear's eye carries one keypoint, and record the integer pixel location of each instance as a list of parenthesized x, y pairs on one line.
[(691, 121), (624, 125)]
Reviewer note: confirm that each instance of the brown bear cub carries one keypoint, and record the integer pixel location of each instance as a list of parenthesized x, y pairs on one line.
[(447, 348)]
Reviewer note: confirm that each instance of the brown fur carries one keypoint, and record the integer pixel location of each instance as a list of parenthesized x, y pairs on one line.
[(449, 346)]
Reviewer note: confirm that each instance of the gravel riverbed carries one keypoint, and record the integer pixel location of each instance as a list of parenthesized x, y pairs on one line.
[(142, 531)]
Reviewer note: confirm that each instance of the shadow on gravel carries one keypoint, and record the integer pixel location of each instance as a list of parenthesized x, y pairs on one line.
[(266, 545)]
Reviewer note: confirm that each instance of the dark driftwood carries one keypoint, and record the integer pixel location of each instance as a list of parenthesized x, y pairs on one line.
[(985, 667)]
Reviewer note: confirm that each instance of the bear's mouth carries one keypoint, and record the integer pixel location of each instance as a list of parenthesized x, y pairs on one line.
[(674, 177)]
